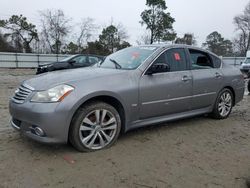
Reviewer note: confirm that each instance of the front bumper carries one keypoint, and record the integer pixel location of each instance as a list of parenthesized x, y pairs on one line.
[(49, 117), (41, 70)]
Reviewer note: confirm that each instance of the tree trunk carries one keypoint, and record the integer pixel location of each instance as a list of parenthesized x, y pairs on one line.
[(248, 44), (27, 47), (152, 37)]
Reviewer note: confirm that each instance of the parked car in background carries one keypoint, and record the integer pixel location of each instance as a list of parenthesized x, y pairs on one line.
[(245, 66), (134, 87), (74, 61)]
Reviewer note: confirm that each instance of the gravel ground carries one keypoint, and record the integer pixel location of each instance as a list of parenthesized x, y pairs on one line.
[(197, 152)]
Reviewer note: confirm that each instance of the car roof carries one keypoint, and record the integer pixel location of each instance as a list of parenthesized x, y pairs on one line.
[(165, 46), (87, 55)]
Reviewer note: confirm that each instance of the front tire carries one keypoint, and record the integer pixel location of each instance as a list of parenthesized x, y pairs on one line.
[(223, 105), (95, 126)]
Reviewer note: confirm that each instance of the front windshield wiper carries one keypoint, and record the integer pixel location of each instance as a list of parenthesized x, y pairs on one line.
[(117, 65)]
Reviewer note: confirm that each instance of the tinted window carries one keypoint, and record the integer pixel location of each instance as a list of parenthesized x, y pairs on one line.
[(247, 61), (216, 61), (80, 59), (200, 60), (93, 60), (175, 58)]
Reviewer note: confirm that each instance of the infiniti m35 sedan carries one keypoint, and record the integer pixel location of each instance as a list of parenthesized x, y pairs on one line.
[(134, 87)]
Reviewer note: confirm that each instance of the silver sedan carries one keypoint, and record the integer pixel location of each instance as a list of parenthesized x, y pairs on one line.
[(134, 87)]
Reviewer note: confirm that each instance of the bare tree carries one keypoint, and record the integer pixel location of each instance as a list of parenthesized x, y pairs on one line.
[(242, 23), (144, 39), (55, 28), (122, 32), (87, 29), (188, 39), (239, 45)]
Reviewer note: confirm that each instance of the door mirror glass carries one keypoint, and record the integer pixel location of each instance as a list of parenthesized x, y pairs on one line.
[(71, 61), (158, 68)]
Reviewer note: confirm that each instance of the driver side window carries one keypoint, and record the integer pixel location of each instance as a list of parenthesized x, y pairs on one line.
[(175, 59), (81, 60)]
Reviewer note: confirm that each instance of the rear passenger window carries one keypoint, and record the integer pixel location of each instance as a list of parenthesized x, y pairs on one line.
[(93, 60), (175, 58), (216, 61), (200, 60)]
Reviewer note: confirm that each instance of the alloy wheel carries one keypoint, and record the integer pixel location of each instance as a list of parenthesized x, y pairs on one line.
[(98, 129), (225, 104)]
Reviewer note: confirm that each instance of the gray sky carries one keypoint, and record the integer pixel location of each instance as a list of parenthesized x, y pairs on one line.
[(194, 16)]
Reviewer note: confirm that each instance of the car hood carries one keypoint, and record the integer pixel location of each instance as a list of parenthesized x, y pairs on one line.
[(51, 79)]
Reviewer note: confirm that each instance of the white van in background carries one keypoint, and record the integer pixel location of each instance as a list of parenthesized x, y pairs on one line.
[(245, 66)]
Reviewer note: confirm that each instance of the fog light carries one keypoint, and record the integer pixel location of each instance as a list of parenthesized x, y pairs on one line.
[(38, 131)]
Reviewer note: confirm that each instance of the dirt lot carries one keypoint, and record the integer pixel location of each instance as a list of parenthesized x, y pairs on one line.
[(198, 152)]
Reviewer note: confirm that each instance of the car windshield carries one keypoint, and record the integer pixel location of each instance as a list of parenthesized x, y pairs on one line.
[(247, 61), (128, 58), (68, 58)]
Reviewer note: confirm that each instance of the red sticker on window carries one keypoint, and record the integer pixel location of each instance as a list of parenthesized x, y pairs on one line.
[(135, 54), (177, 56)]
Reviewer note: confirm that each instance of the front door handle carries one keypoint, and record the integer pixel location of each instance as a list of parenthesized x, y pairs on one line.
[(218, 75), (186, 78)]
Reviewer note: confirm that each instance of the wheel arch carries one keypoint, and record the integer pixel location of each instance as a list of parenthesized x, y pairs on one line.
[(109, 99)]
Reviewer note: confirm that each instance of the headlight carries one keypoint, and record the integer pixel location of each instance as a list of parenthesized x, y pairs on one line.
[(45, 66), (54, 94)]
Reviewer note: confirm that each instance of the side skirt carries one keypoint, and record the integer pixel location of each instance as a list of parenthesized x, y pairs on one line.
[(167, 118)]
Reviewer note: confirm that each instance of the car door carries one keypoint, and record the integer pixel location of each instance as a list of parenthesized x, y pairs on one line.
[(168, 92), (60, 65), (80, 61), (207, 78), (93, 60)]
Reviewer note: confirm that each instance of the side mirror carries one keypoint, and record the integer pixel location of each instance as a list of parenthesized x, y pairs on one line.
[(71, 61), (241, 63), (158, 68)]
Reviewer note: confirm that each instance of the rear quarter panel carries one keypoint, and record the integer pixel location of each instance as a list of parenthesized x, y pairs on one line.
[(232, 77)]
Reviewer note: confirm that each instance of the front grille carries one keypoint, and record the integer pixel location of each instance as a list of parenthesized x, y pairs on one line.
[(22, 93)]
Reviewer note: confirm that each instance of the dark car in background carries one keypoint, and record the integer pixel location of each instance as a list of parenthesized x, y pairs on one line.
[(74, 61)]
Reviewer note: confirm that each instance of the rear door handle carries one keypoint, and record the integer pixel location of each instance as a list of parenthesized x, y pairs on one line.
[(186, 78)]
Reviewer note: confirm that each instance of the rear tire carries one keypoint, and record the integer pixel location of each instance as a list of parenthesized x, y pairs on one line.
[(223, 105), (95, 126), (248, 86)]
